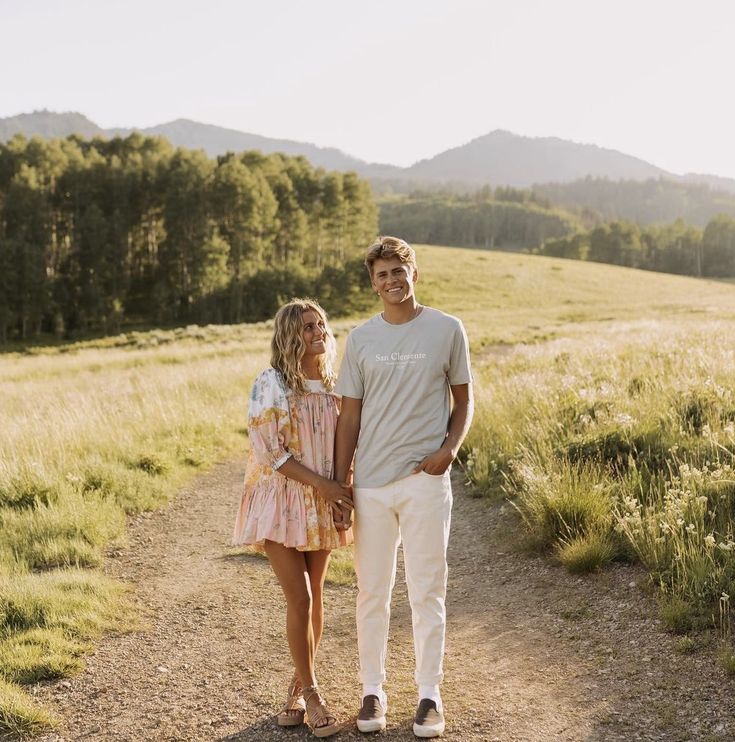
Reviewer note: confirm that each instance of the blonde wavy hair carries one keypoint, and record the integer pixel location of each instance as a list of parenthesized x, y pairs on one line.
[(288, 348)]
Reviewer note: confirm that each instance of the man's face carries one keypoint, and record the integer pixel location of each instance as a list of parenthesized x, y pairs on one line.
[(393, 280)]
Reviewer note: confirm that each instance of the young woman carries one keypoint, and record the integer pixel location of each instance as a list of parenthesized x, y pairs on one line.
[(291, 507)]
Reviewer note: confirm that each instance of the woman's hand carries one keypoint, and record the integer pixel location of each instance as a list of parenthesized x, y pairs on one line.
[(338, 495)]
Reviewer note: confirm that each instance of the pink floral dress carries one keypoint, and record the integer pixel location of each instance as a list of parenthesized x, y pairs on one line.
[(283, 424)]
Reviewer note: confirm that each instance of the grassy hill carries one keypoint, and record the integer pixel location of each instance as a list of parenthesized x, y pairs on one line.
[(511, 298), (574, 362)]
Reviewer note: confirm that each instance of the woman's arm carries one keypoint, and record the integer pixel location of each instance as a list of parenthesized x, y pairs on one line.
[(338, 495)]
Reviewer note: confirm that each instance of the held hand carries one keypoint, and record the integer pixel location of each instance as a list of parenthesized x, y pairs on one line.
[(338, 495), (435, 463), (343, 519)]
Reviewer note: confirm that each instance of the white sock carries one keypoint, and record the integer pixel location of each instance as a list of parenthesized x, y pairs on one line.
[(431, 692), (375, 690)]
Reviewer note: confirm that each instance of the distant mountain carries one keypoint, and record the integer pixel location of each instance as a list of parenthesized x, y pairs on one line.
[(215, 140), (503, 158), (49, 125), (498, 158)]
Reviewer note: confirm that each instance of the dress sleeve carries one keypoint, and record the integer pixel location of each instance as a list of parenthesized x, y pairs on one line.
[(269, 420)]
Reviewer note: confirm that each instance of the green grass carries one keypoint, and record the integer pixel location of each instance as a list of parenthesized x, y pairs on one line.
[(677, 614), (726, 659), (506, 298), (47, 623), (341, 570), (586, 552), (596, 387), (629, 434), (685, 645), (19, 714), (92, 432)]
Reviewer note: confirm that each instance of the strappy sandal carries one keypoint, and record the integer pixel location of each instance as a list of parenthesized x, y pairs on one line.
[(322, 721), (292, 713)]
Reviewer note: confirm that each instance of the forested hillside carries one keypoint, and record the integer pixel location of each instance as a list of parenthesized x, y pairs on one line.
[(650, 201), (97, 232), (528, 220), (504, 219), (672, 248)]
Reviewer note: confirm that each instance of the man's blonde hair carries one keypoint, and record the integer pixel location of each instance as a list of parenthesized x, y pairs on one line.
[(287, 345), (387, 247)]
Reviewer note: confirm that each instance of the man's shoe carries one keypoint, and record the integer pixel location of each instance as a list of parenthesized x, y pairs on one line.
[(372, 715), (429, 721)]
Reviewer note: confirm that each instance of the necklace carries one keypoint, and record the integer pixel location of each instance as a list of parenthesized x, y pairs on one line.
[(416, 313)]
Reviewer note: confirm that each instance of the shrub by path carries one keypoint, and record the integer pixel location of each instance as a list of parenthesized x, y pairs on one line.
[(532, 653)]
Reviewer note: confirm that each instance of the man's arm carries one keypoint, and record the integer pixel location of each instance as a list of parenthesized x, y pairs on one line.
[(348, 429), (459, 423)]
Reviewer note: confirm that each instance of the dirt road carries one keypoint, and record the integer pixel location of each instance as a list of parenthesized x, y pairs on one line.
[(532, 652)]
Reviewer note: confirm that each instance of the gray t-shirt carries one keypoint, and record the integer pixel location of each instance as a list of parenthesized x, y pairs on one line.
[(402, 375)]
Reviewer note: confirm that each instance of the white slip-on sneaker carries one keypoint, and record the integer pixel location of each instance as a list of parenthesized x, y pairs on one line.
[(429, 721), (372, 714)]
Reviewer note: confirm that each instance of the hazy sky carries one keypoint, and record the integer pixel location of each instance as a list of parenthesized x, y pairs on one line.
[(390, 80)]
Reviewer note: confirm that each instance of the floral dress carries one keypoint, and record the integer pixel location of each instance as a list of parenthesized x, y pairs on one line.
[(283, 424)]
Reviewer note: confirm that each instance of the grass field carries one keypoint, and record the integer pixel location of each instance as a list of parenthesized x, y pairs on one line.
[(605, 410)]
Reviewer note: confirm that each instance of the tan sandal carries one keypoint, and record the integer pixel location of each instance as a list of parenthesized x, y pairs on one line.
[(322, 721), (292, 713)]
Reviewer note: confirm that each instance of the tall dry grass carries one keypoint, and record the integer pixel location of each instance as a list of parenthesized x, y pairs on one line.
[(621, 444), (89, 434), (579, 405)]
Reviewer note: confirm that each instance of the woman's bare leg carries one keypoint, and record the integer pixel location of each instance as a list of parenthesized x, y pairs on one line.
[(316, 564), (290, 568)]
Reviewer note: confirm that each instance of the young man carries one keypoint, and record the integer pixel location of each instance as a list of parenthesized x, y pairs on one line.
[(401, 372)]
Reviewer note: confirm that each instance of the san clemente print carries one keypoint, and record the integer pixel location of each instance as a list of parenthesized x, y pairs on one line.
[(393, 357)]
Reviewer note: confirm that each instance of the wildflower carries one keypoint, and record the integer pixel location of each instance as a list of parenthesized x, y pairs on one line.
[(709, 540), (623, 418)]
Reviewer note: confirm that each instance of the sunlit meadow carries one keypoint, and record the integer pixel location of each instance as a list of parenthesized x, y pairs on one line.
[(605, 413), (619, 445), (89, 434)]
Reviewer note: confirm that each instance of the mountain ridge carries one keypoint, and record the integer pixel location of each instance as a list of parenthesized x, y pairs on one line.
[(498, 158)]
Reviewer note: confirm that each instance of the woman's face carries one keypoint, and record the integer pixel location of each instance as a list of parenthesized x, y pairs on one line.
[(314, 334)]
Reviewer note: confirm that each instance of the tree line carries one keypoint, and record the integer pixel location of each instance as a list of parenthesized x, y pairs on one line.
[(653, 201), (503, 219), (672, 248), (95, 233)]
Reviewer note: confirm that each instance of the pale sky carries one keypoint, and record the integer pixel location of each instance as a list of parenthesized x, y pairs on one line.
[(390, 81)]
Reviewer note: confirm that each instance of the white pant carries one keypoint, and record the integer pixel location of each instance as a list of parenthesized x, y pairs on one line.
[(416, 510)]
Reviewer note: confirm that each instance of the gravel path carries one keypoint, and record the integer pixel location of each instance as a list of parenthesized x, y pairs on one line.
[(532, 653)]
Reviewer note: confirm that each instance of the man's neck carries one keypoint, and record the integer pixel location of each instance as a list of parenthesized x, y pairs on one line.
[(399, 314)]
